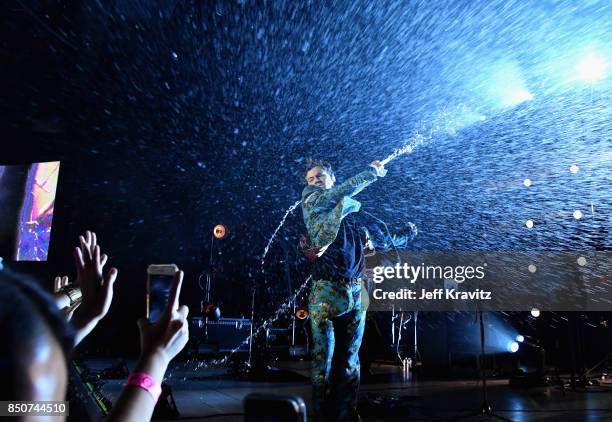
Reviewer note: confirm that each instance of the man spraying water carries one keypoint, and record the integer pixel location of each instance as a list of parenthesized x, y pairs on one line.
[(338, 300)]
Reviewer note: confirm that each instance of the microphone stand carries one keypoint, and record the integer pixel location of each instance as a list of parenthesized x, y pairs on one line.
[(485, 409)]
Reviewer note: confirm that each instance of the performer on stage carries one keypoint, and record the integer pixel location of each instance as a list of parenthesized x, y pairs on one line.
[(338, 300)]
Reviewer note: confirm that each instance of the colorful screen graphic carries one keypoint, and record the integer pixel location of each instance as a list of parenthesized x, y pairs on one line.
[(28, 196)]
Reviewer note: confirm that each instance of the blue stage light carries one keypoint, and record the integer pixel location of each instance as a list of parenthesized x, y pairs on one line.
[(592, 67), (513, 347), (505, 85), (520, 338), (517, 96)]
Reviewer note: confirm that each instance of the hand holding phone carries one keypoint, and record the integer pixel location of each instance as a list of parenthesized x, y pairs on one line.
[(165, 338)]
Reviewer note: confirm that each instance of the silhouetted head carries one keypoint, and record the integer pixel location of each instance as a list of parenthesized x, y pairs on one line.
[(36, 342)]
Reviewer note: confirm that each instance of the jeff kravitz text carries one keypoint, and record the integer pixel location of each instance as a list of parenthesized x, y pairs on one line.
[(435, 294)]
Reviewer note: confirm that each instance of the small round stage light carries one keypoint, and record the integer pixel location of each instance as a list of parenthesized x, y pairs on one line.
[(513, 347), (520, 338), (301, 313), (535, 312), (220, 231), (212, 312)]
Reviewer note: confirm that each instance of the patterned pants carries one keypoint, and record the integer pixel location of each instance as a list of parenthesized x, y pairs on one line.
[(337, 313)]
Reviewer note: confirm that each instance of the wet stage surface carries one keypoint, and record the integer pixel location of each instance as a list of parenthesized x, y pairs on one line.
[(214, 394)]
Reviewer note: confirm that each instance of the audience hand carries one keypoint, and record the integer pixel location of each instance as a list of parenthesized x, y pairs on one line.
[(161, 341), (62, 299), (96, 287)]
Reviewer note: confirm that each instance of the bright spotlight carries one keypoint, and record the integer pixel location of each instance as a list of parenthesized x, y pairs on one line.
[(518, 96), (513, 347), (520, 338), (504, 84), (591, 68), (535, 312)]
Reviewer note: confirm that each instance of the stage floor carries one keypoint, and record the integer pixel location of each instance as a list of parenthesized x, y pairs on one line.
[(215, 395)]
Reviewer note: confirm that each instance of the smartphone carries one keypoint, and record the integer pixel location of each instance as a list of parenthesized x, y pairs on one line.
[(159, 281)]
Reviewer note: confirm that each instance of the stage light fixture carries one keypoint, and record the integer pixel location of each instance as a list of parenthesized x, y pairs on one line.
[(212, 312), (535, 312), (592, 67), (301, 313), (506, 85), (220, 231), (520, 338), (517, 97), (513, 347)]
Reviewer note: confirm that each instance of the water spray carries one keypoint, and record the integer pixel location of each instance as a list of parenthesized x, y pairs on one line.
[(416, 141), (282, 222)]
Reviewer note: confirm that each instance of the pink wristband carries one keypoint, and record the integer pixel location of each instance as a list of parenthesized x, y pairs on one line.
[(145, 381)]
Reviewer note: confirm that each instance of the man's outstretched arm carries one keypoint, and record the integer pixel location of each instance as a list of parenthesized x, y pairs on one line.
[(350, 187)]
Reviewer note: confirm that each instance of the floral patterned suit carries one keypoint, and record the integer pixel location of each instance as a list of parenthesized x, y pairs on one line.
[(337, 307)]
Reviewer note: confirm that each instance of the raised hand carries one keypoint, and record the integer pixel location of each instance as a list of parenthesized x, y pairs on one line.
[(96, 287), (379, 167), (67, 300), (59, 282), (168, 336), (160, 342)]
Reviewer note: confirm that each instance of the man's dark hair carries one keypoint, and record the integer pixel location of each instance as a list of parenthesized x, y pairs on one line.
[(27, 315), (314, 162)]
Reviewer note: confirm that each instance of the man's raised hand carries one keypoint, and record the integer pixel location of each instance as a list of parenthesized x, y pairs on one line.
[(379, 167)]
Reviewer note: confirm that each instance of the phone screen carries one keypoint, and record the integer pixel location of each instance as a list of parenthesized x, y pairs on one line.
[(159, 290)]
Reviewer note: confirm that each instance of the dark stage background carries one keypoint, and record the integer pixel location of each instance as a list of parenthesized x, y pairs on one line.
[(171, 117)]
